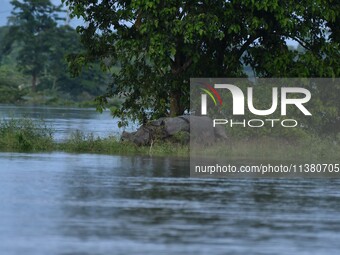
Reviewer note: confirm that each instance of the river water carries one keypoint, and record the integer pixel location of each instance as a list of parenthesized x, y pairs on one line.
[(66, 121), (59, 203)]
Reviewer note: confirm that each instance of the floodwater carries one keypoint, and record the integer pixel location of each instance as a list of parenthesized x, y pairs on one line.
[(59, 203), (66, 121)]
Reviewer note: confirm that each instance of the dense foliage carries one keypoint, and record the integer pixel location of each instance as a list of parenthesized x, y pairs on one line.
[(33, 50), (32, 26), (161, 44)]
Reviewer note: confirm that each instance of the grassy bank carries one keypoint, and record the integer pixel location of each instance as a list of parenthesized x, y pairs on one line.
[(80, 143), (26, 135), (267, 148)]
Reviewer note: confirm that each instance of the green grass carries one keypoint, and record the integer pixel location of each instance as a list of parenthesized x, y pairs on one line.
[(267, 148), (27, 135), (81, 143)]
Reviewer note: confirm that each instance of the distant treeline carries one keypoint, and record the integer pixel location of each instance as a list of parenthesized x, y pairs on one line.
[(34, 48)]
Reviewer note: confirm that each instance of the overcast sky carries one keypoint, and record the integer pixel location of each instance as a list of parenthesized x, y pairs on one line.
[(6, 8)]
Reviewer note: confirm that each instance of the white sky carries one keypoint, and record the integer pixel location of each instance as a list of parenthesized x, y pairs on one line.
[(6, 8)]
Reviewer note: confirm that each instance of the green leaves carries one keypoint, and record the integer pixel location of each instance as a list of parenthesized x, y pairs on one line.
[(32, 26), (161, 44)]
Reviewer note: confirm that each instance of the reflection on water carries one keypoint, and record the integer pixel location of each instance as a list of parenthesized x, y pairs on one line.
[(64, 121), (94, 204)]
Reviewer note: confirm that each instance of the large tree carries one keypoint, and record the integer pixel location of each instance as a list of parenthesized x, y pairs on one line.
[(159, 45), (32, 26)]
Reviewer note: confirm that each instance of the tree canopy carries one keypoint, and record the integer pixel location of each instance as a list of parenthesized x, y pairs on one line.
[(34, 47), (32, 25), (159, 45)]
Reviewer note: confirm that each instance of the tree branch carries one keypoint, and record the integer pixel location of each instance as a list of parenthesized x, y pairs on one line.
[(182, 68), (244, 47), (302, 43)]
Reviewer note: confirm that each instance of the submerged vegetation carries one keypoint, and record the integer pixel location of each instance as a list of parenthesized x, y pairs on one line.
[(269, 148), (82, 143), (27, 135)]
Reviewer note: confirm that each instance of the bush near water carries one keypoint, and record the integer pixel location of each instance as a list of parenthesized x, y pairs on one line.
[(28, 135)]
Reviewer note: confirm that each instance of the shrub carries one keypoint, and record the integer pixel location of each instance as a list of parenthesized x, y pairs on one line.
[(25, 135)]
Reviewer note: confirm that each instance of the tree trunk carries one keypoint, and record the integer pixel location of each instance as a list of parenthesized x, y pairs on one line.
[(34, 82), (54, 86), (176, 107), (180, 64)]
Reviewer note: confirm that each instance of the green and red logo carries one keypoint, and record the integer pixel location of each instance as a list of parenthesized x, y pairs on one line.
[(211, 92)]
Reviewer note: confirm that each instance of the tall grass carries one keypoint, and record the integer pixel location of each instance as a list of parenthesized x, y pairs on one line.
[(82, 143), (268, 148), (25, 135)]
